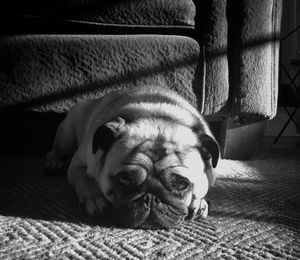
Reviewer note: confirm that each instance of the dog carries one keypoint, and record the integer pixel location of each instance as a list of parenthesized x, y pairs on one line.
[(145, 156)]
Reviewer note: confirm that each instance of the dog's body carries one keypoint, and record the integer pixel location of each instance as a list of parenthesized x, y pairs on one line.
[(145, 155)]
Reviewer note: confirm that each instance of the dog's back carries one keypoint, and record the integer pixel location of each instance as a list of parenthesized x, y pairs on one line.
[(147, 102)]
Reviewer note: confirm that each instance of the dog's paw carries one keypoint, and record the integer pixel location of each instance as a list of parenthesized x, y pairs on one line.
[(200, 208), (203, 209), (94, 208), (55, 165)]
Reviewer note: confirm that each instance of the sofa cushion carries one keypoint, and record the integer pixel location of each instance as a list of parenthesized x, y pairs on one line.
[(257, 53), (126, 12), (53, 72)]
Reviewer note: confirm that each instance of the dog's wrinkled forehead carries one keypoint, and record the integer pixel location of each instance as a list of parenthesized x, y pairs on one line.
[(159, 149), (164, 135), (165, 145)]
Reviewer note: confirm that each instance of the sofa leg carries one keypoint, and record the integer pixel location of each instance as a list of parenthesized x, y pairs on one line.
[(239, 141)]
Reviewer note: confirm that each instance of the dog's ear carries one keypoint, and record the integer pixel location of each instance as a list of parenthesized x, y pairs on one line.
[(209, 149), (107, 134), (210, 152), (208, 145)]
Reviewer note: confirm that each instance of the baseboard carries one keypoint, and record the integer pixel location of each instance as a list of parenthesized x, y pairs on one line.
[(241, 140)]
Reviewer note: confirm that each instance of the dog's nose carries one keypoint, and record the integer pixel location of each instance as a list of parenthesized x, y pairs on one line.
[(147, 198), (150, 200)]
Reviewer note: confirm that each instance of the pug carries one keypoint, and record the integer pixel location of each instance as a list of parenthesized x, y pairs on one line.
[(145, 156)]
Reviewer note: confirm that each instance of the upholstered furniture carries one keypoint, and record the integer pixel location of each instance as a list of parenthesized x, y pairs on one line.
[(220, 54)]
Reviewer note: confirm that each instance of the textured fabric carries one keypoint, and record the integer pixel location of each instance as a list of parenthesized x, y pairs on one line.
[(126, 12), (212, 17), (254, 35), (238, 41), (255, 214), (55, 71), (242, 53)]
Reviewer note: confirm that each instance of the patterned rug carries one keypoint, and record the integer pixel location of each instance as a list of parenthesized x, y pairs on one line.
[(254, 214)]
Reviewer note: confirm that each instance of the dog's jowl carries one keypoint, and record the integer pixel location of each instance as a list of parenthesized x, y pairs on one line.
[(146, 156)]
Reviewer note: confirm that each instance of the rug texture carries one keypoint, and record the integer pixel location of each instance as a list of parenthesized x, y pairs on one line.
[(254, 214)]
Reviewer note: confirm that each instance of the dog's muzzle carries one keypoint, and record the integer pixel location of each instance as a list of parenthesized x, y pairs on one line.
[(150, 211)]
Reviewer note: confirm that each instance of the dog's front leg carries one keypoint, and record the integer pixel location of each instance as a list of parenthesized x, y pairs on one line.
[(89, 194)]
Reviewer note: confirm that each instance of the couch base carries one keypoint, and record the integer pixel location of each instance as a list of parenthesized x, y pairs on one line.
[(28, 132), (239, 141), (34, 131)]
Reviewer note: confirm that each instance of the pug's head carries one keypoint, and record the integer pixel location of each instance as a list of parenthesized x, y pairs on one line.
[(153, 172)]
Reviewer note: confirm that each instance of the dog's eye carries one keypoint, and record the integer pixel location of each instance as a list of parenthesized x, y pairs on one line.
[(124, 178), (179, 183), (131, 178)]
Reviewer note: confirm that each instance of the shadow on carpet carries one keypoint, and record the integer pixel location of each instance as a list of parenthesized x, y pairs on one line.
[(254, 214)]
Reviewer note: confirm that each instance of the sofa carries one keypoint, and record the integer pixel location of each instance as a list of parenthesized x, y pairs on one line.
[(222, 55)]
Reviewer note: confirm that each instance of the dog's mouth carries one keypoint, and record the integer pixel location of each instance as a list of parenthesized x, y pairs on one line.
[(149, 211)]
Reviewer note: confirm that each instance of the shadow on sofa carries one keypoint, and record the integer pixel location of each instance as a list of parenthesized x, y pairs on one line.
[(221, 55)]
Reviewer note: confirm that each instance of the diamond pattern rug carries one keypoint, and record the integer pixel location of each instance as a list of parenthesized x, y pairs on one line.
[(254, 214)]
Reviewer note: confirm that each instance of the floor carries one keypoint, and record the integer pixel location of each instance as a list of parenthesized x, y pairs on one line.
[(283, 142), (290, 137)]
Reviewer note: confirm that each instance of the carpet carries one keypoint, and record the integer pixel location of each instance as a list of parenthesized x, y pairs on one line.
[(254, 214)]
